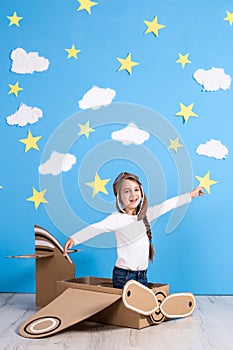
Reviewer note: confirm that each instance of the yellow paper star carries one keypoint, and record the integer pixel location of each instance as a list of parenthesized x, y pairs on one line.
[(186, 112), (85, 129), (30, 142), (127, 64), (98, 185), (174, 144), (37, 198), (153, 27), (229, 17), (86, 5), (14, 19), (14, 89), (183, 59), (72, 52), (206, 182)]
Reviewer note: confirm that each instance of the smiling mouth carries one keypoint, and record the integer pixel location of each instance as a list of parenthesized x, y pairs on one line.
[(133, 201)]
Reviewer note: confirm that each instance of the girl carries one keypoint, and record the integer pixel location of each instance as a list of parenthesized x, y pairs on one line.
[(132, 228)]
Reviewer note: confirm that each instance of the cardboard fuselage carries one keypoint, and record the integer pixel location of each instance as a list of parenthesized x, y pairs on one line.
[(117, 313)]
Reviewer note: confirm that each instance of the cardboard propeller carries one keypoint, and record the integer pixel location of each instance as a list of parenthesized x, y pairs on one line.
[(157, 316), (178, 305), (175, 305), (132, 298)]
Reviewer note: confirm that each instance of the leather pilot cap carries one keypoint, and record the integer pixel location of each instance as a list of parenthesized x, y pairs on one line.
[(116, 187)]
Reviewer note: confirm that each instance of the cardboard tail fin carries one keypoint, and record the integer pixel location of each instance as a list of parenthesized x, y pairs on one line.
[(51, 265), (71, 307), (56, 266)]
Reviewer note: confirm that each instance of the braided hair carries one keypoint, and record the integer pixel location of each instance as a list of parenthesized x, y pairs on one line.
[(149, 234)]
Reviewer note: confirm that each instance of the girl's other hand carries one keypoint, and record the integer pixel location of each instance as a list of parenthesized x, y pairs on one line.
[(196, 192), (68, 245)]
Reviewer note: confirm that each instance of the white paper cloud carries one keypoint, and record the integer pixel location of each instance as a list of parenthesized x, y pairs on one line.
[(57, 163), (25, 115), (97, 97), (213, 148), (213, 79), (27, 63), (130, 135)]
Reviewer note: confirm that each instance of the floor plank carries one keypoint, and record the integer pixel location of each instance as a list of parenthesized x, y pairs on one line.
[(210, 327)]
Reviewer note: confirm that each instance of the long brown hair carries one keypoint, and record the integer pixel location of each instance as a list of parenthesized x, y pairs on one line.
[(149, 234), (142, 208)]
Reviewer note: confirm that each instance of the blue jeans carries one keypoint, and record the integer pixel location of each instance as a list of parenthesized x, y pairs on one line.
[(121, 276)]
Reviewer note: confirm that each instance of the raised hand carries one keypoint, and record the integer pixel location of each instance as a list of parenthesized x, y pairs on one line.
[(68, 245), (196, 192)]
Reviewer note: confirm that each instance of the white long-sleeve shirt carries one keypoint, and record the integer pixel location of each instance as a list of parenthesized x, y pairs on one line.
[(131, 237)]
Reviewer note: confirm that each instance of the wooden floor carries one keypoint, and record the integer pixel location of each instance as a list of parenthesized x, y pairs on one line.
[(210, 327)]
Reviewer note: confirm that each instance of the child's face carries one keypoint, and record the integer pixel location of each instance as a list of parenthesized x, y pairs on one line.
[(130, 196)]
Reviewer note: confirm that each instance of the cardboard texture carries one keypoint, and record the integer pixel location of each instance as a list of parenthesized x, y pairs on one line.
[(51, 265), (71, 307), (66, 300), (54, 268), (139, 298), (117, 313), (157, 316), (178, 305)]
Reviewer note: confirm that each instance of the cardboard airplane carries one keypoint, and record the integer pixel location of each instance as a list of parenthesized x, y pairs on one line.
[(66, 300)]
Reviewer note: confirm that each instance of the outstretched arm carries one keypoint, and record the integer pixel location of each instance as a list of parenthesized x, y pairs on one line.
[(157, 210), (110, 223)]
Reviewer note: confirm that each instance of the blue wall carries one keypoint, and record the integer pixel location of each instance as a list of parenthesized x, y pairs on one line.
[(197, 255)]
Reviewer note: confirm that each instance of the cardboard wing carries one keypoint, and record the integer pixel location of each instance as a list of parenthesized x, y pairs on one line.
[(75, 305), (71, 307)]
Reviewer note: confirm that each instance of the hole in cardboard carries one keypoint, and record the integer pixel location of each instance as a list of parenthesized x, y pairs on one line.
[(190, 304), (128, 293)]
